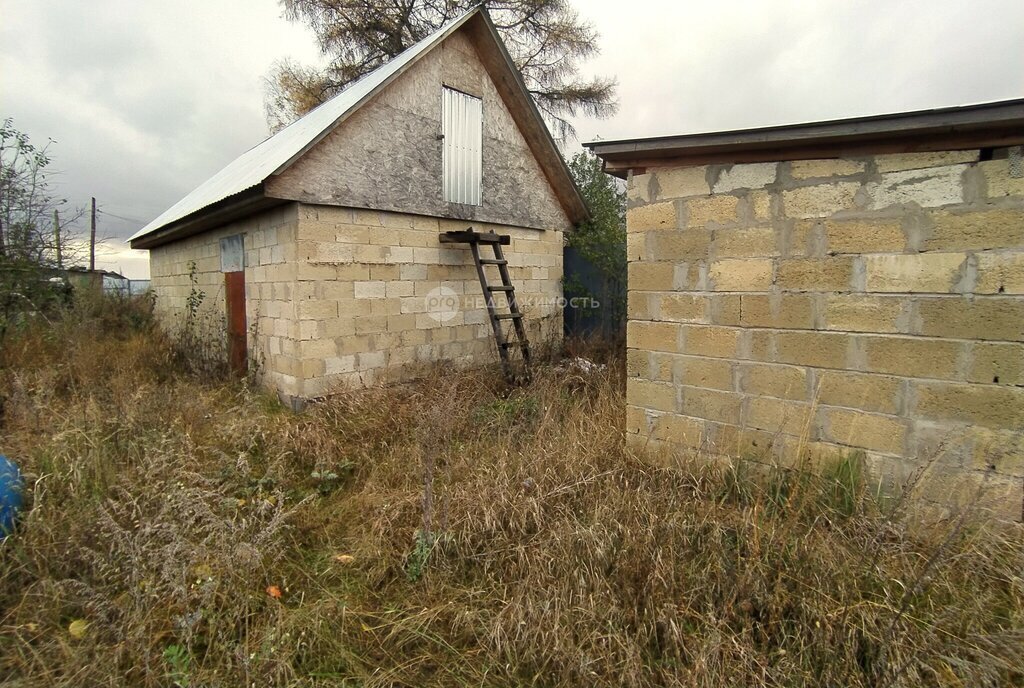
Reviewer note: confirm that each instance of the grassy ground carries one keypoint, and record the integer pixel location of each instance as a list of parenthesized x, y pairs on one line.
[(189, 531)]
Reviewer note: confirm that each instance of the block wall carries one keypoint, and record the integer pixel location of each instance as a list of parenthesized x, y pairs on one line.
[(872, 304), (361, 294), (270, 277)]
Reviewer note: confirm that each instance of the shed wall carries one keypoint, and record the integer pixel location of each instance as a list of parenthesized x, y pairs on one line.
[(270, 277), (363, 278), (872, 304)]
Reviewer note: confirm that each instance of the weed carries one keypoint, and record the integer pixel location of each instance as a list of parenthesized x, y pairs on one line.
[(449, 532), (178, 661), (416, 563)]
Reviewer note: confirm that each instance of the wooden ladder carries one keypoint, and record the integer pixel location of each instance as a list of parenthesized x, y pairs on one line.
[(496, 241)]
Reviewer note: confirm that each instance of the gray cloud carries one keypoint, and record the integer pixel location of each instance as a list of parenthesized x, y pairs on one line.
[(146, 100)]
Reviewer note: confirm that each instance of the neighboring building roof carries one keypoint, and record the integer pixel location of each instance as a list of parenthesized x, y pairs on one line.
[(98, 271), (970, 126), (242, 179)]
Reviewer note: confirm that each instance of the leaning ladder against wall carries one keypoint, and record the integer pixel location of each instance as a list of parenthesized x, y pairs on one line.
[(496, 241)]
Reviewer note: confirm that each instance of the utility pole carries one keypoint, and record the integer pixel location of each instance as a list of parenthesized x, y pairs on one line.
[(92, 237), (56, 239)]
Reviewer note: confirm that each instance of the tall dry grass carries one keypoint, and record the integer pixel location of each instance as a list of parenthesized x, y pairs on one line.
[(451, 532)]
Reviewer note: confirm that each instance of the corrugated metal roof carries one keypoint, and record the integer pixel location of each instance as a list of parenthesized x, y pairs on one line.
[(278, 151)]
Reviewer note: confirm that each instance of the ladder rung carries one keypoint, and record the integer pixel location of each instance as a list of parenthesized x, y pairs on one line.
[(501, 288), (471, 237), (508, 316), (493, 261)]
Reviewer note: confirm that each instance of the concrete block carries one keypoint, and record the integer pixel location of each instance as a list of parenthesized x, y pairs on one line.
[(687, 245), (1000, 451), (340, 364), (746, 176), (638, 188), (745, 243), (652, 336), (973, 230), (928, 188), (761, 205), (858, 390), (778, 381), (639, 305), (680, 182), (818, 349), (775, 415), (864, 313), (912, 356), (1000, 273), (821, 274), (781, 311), (972, 318), (398, 288), (371, 324), (317, 310), (711, 404), (897, 162), (719, 209), (997, 363), (864, 236), (821, 200), (928, 272), (654, 216), (370, 290), (678, 430), (870, 431), (636, 420), (714, 342), (638, 363), (741, 274), (989, 406), (712, 373), (810, 169), (724, 309), (651, 276), (366, 360), (682, 307), (998, 181), (651, 395)]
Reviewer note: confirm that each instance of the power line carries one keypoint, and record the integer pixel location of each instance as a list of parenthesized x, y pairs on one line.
[(122, 217)]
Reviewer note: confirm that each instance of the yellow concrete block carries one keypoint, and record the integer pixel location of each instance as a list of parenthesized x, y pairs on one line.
[(924, 272), (821, 200), (836, 167), (741, 274), (719, 209)]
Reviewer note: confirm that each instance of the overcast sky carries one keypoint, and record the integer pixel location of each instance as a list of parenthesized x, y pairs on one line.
[(145, 100)]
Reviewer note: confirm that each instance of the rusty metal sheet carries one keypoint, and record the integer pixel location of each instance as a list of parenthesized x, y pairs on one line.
[(234, 296)]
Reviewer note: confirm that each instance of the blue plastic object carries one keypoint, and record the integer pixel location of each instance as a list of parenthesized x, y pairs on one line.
[(11, 486)]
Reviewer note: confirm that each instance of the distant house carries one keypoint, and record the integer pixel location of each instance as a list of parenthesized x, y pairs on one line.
[(320, 245), (845, 286), (106, 281)]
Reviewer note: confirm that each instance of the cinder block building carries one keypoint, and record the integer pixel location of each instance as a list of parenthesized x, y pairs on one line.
[(318, 247), (854, 285)]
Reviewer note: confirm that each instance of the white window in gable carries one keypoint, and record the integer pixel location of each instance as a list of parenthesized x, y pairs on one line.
[(462, 127)]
